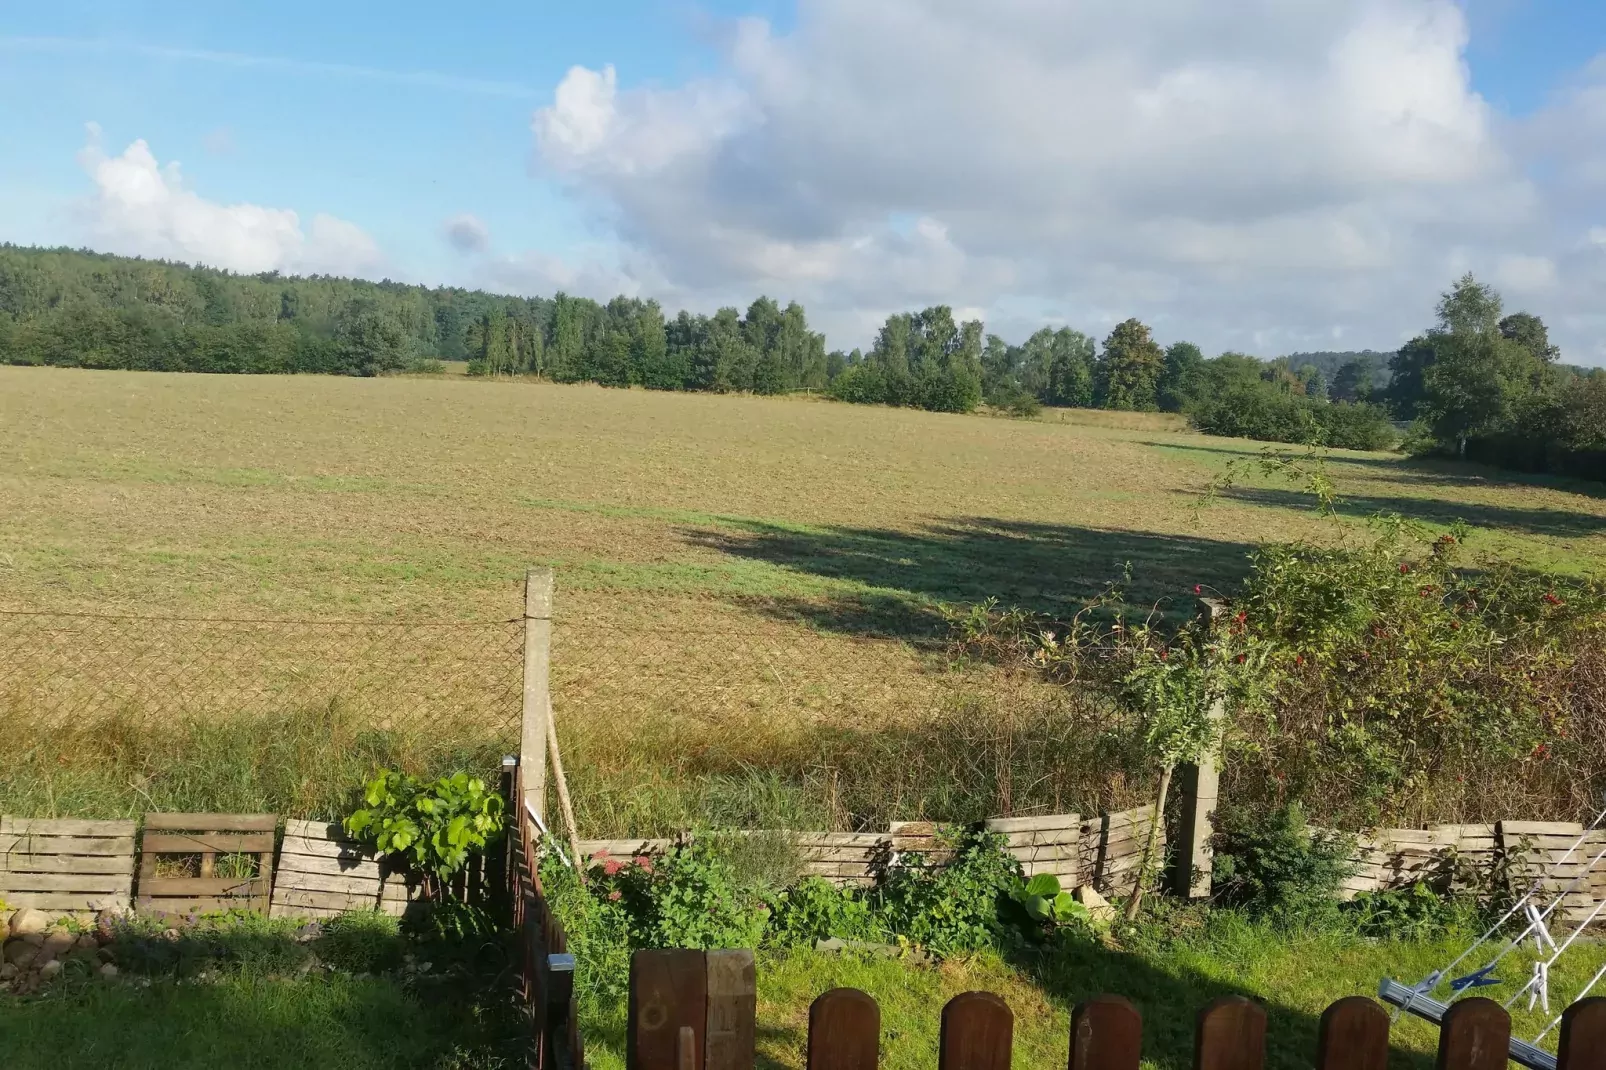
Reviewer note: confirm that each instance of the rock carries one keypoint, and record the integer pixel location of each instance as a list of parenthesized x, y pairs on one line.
[(171, 934), (1098, 907), (50, 969), (106, 925), (57, 943), (8, 970), (86, 942), (28, 921), (309, 932), (108, 971), (21, 953)]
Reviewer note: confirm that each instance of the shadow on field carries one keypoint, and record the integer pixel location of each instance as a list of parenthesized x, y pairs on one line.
[(1561, 522), (1430, 471), (1049, 569)]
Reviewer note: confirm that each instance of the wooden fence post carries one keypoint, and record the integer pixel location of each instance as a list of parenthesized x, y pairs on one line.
[(1354, 1036), (1230, 1035), (1583, 1036), (668, 1010), (1106, 1034), (1475, 1035), (537, 696), (844, 1031), (1200, 788), (732, 1011), (978, 1033)]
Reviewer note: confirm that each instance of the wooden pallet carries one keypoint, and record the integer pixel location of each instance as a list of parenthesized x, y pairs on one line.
[(66, 866), (323, 872), (1048, 844), (208, 837)]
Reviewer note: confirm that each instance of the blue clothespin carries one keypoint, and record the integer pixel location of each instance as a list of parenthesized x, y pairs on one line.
[(1475, 979)]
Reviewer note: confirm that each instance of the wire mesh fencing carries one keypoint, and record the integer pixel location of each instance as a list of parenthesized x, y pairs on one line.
[(60, 667)]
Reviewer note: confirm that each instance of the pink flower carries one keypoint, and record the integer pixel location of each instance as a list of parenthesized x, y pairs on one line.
[(610, 867), (615, 895), (1198, 588), (1404, 568), (645, 862)]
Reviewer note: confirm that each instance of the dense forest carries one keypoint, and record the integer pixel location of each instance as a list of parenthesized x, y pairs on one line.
[(1479, 384)]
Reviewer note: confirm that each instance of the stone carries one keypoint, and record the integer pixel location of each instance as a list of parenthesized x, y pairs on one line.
[(86, 942), (8, 970), (1098, 907), (50, 969), (108, 971), (28, 921), (57, 943), (171, 934), (21, 953), (106, 925)]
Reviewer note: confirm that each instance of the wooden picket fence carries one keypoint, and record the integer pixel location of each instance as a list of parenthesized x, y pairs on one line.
[(545, 967), (694, 1010)]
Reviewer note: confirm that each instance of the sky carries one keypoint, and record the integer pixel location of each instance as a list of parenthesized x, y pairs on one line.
[(1268, 176)]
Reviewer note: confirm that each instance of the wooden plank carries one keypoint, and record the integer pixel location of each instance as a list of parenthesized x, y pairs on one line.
[(732, 1010), (836, 854), (868, 840), (1583, 1036), (296, 897), (1541, 828), (67, 826), (212, 822), (317, 830), (1230, 1035), (668, 992), (370, 870), (66, 882), (282, 910), (978, 1033), (844, 1031), (204, 905), (1106, 1034), (66, 845), (1034, 824), (324, 882), (78, 901), (1354, 1035), (22, 863), (201, 887), (305, 845), (1474, 1035), (623, 848), (218, 842), (536, 710)]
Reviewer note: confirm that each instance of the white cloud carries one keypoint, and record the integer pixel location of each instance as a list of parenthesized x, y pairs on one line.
[(467, 233), (145, 209), (1256, 173)]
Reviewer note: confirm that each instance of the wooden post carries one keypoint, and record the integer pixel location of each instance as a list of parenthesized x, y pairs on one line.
[(1475, 1035), (1354, 1036), (537, 694), (1200, 788), (844, 1031), (1106, 1034), (1230, 1035)]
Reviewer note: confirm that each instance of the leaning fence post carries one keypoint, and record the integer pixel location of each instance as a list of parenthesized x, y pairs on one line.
[(537, 694), (1200, 788)]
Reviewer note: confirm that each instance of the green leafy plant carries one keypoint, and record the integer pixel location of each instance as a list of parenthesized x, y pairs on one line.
[(1044, 907), (955, 907), (435, 827), (815, 909), (1274, 864), (693, 896), (1416, 912)]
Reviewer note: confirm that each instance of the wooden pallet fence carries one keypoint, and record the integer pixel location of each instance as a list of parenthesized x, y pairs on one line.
[(694, 1010), (66, 866), (242, 843), (1104, 851), (322, 872), (1543, 852)]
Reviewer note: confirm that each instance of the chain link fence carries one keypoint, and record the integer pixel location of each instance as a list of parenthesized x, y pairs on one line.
[(60, 667)]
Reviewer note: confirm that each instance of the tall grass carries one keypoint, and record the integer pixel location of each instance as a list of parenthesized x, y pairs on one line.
[(305, 762)]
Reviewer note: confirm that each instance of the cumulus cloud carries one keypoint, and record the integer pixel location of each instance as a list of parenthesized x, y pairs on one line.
[(143, 208), (1256, 174), (467, 234)]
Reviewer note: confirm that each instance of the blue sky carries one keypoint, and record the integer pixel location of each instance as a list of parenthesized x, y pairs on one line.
[(860, 158)]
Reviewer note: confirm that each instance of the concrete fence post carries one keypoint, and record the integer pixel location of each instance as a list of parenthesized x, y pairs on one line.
[(537, 695), (1199, 796)]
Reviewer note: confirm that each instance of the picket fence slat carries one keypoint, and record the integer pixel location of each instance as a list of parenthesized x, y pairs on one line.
[(668, 995), (1354, 1035), (844, 1031), (1106, 1034), (1475, 1035), (1582, 1043), (1230, 1035), (978, 1033)]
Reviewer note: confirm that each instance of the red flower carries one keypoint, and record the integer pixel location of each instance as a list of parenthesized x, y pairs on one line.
[(611, 866), (615, 895), (1242, 658), (1404, 568), (1542, 751), (1550, 597), (645, 862), (1198, 588), (1447, 538), (1299, 659)]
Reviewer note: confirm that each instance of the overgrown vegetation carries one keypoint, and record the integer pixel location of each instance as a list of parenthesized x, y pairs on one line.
[(435, 827)]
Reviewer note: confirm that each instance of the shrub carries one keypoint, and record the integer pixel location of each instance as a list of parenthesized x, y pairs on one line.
[(1262, 411), (955, 907), (435, 826), (815, 909), (361, 941), (1274, 864), (691, 897), (1416, 912)]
